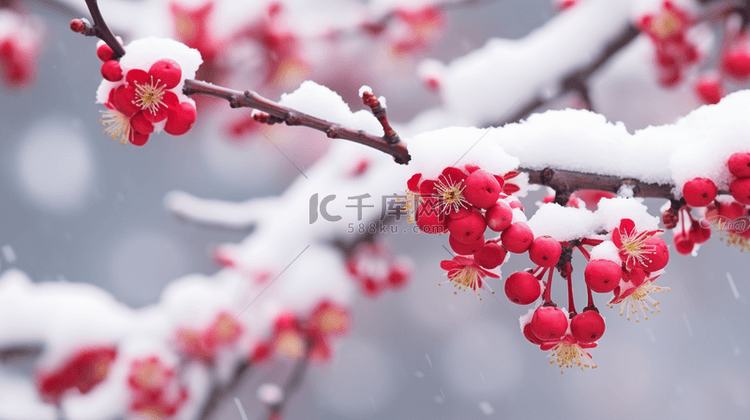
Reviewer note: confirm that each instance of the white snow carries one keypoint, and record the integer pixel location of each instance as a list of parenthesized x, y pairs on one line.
[(319, 101), (457, 146), (606, 251), (568, 223), (364, 89), (562, 223)]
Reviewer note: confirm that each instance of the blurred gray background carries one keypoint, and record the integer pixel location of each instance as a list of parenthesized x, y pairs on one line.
[(79, 207)]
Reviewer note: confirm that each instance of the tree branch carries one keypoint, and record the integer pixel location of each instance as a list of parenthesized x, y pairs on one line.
[(21, 353), (293, 383), (379, 111), (218, 393), (567, 182), (577, 80), (280, 113), (99, 29)]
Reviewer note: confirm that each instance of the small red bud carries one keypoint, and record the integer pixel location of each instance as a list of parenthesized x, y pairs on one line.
[(77, 26)]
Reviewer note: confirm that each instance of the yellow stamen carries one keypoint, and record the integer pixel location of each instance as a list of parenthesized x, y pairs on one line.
[(568, 355), (118, 125), (149, 95), (450, 195), (640, 302), (467, 278), (666, 24)]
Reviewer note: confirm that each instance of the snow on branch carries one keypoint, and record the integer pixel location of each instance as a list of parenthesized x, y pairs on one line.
[(278, 282), (293, 117), (217, 212)]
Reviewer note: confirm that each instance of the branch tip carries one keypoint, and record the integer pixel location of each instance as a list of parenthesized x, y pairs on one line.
[(77, 26), (279, 113), (261, 117), (390, 136)]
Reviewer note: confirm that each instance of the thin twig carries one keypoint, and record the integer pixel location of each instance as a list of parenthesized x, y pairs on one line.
[(21, 353), (379, 111), (577, 80), (218, 393), (280, 113), (293, 383), (99, 29)]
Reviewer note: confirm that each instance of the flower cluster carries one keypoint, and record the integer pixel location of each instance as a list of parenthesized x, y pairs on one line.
[(192, 28), (84, 370), (567, 336), (640, 258), (624, 262), (465, 202), (674, 51), (421, 27), (20, 42), (154, 390), (726, 213), (295, 337), (376, 269), (734, 65), (204, 345), (140, 102)]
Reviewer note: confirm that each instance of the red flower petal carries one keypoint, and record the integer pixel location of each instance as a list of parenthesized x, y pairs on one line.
[(427, 187), (627, 226), (160, 115), (500, 180), (170, 99), (511, 175), (413, 183), (124, 98), (509, 188), (548, 346), (137, 76), (453, 174), (616, 239), (448, 265), (588, 346)]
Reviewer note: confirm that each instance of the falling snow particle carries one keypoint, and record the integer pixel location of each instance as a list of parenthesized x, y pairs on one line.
[(9, 253), (687, 324), (428, 359), (270, 394), (439, 399), (486, 408), (239, 407), (419, 374), (733, 286)]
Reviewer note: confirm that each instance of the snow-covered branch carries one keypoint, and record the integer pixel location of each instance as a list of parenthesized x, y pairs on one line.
[(293, 117), (287, 289)]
